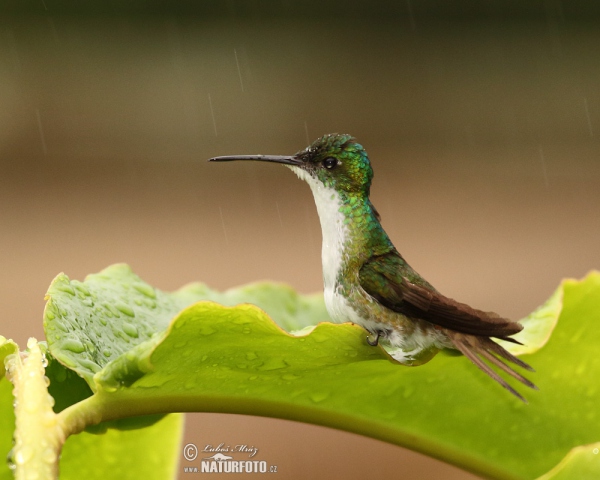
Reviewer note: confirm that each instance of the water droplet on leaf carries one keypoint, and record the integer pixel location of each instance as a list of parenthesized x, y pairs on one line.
[(318, 397), (145, 289), (72, 345), (130, 330), (126, 309)]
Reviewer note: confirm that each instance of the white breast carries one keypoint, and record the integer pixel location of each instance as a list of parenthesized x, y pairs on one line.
[(334, 249)]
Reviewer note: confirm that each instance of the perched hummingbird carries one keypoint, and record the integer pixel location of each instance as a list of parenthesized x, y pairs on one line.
[(369, 283)]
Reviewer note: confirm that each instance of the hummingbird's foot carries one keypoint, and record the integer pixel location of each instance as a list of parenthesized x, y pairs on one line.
[(375, 342)]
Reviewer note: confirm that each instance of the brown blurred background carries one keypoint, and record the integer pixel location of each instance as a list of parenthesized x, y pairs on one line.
[(482, 123)]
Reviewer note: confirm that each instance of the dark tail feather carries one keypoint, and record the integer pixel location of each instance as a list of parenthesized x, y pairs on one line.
[(510, 339), (473, 347), (492, 346)]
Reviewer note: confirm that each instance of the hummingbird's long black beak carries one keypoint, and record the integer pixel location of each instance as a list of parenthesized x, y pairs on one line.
[(260, 158)]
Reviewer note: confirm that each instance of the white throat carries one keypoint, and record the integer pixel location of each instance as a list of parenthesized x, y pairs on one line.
[(334, 231)]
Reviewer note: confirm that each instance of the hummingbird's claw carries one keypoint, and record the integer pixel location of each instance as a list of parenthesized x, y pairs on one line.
[(375, 342)]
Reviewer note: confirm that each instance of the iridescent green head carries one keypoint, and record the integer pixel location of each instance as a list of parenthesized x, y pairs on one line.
[(338, 162), (334, 160)]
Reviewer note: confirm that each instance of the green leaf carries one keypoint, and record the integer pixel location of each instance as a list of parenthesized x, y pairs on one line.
[(220, 359), (581, 463), (7, 425), (66, 387), (88, 324), (151, 453), (7, 347)]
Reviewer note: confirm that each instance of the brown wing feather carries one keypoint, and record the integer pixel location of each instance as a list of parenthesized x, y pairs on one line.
[(388, 279)]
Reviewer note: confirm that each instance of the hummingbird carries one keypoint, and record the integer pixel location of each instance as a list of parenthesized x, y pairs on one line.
[(369, 283)]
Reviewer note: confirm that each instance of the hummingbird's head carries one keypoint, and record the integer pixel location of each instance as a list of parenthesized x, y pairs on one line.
[(334, 161), (337, 161)]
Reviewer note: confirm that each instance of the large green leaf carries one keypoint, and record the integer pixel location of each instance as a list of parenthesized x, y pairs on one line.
[(88, 324), (151, 453), (215, 358)]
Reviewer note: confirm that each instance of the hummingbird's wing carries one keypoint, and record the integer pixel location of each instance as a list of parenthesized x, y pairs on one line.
[(393, 283), (390, 280)]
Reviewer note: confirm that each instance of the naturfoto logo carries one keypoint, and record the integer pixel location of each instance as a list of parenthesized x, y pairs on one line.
[(220, 462)]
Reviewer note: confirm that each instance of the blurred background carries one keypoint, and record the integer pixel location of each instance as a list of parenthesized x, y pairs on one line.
[(482, 121)]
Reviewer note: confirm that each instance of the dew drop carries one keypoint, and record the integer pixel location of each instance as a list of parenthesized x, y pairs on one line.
[(66, 360), (88, 302), (150, 303), (109, 388), (49, 455), (186, 353), (242, 320), (130, 330), (189, 384), (89, 365), (66, 288), (126, 309), (318, 397), (23, 455), (49, 420), (408, 391), (206, 330), (10, 460), (145, 289), (111, 310), (72, 345), (273, 364), (82, 288), (319, 337)]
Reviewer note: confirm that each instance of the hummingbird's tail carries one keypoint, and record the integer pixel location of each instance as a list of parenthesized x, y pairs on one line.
[(476, 348)]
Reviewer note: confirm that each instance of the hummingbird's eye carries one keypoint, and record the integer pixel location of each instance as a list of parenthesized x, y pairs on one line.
[(330, 163)]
